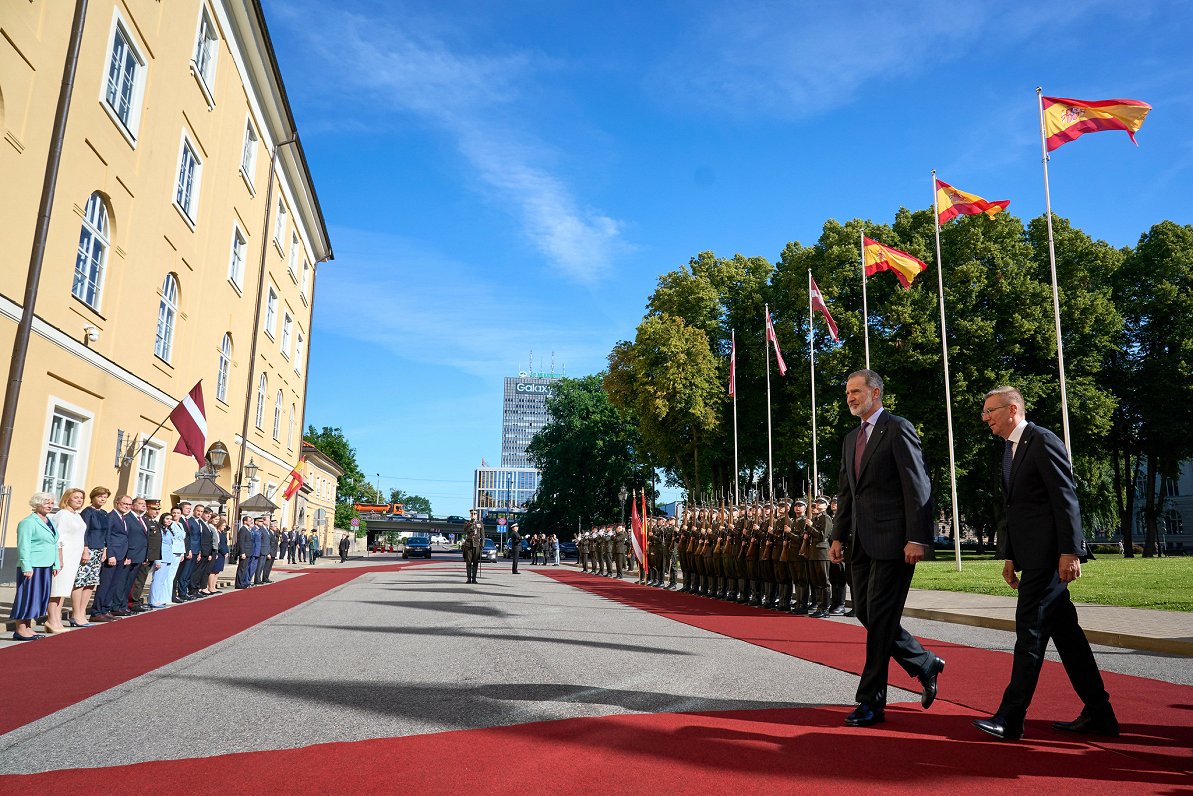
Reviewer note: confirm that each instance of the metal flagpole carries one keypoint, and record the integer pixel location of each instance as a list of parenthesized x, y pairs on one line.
[(812, 366), (948, 394), (865, 308), (770, 461), (736, 469), (1060, 346)]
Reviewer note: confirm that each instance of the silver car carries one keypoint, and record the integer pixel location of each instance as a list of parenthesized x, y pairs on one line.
[(489, 551)]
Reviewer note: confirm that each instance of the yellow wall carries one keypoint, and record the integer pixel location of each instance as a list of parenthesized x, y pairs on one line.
[(116, 383)]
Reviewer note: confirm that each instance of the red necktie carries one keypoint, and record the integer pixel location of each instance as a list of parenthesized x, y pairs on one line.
[(859, 448)]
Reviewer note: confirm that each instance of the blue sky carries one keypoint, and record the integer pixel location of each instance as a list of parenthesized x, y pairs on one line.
[(501, 178)]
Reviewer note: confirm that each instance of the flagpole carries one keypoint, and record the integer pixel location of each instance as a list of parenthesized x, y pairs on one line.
[(948, 390), (865, 308), (1060, 347), (812, 368), (736, 468), (126, 460), (770, 462)]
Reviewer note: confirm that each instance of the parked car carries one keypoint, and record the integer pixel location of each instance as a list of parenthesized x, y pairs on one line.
[(524, 550), (417, 546), (568, 550), (489, 551)]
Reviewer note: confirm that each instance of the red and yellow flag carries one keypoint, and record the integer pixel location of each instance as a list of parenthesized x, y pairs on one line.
[(953, 203), (883, 258), (1067, 119), (296, 480)]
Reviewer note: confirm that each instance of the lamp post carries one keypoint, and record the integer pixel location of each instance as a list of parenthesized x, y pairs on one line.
[(621, 495)]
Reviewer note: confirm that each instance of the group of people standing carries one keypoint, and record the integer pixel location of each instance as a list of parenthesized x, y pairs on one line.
[(603, 551), (132, 558)]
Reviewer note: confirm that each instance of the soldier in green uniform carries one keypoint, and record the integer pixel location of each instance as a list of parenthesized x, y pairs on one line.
[(819, 532), (798, 564), (620, 537), (474, 543)]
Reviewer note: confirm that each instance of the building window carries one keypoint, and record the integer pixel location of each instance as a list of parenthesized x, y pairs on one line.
[(293, 266), (248, 157), (206, 49), (62, 452), (167, 311), (290, 429), (306, 277), (262, 388), (148, 466), (287, 324), (298, 352), (280, 227), (277, 416), (125, 81), (186, 192), (221, 376), (236, 264), (92, 256), (271, 311)]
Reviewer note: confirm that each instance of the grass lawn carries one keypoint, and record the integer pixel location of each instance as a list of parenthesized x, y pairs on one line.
[(1162, 583)]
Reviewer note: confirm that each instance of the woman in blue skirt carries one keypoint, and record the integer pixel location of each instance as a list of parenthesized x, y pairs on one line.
[(38, 561)]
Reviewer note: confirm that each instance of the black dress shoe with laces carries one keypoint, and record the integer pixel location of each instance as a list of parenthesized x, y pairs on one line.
[(928, 680), (1090, 725), (865, 715), (998, 727)]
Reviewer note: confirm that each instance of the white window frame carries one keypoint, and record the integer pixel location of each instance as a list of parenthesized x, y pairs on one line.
[(287, 331), (277, 417), (292, 266), (290, 429), (79, 455), (262, 391), (92, 233), (224, 369), (135, 92), (298, 351), (248, 153), (237, 257), (167, 318), (279, 227), (206, 54), (271, 311), (192, 179), (149, 479), (306, 279)]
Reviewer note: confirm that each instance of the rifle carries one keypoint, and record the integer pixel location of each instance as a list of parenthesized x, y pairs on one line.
[(716, 550)]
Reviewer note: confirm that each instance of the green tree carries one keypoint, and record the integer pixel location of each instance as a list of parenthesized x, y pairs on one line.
[(415, 504), (352, 486)]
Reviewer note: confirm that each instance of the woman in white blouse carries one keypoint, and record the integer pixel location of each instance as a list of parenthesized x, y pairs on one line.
[(71, 528)]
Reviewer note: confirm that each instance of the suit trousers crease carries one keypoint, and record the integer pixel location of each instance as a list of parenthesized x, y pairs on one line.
[(1045, 611), (879, 593)]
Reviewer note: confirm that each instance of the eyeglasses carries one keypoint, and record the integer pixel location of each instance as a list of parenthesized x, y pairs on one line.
[(993, 409)]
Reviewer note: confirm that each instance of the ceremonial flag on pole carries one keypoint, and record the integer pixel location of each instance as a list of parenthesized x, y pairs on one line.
[(636, 530), (817, 299), (1067, 119), (191, 423), (952, 203), (770, 335), (296, 480), (879, 257), (733, 368)]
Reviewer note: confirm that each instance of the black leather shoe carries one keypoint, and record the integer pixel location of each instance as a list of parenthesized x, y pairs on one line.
[(928, 679), (997, 726), (1090, 725), (865, 715)]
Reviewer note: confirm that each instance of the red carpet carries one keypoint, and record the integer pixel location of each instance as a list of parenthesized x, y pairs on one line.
[(770, 751), (1156, 718), (117, 652)]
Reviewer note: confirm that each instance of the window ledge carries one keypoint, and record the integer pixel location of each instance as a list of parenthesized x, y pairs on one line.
[(236, 286), (202, 81), (189, 222), (128, 134), (248, 182)]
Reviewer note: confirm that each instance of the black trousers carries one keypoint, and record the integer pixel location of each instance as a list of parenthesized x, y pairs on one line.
[(200, 572), (879, 593), (1045, 611), (514, 559), (242, 572)]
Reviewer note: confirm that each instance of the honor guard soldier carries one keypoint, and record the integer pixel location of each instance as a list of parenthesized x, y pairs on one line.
[(819, 532), (474, 543), (620, 537)]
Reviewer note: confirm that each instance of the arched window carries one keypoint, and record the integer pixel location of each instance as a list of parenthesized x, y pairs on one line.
[(290, 432), (167, 311), (92, 257), (221, 376), (277, 416), (262, 386)]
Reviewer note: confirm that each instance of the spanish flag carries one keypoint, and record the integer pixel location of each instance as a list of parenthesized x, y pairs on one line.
[(296, 480), (883, 258), (1066, 119), (953, 203)]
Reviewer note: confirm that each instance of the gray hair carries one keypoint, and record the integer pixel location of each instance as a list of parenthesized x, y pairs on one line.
[(39, 498), (1010, 395), (871, 378)]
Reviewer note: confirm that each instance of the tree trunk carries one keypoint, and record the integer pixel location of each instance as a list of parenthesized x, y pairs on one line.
[(1149, 508)]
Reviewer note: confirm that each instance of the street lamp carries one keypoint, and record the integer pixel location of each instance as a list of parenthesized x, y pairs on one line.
[(621, 495)]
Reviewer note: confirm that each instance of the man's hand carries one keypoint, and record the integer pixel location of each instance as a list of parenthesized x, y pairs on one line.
[(112, 561), (1069, 568), (836, 554), (913, 553), (157, 566), (1008, 574)]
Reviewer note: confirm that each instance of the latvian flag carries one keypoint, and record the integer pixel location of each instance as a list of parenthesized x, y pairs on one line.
[(191, 423)]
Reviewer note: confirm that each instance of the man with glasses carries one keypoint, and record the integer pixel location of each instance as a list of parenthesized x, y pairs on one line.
[(1044, 542), (113, 577)]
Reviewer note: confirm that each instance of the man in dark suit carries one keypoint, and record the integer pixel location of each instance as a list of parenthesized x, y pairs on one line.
[(885, 509), (244, 552), (182, 581), (1044, 541), (109, 598), (207, 545), (291, 546), (138, 556), (515, 547)]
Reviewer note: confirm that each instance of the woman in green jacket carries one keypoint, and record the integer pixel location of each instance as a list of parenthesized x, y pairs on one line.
[(38, 560)]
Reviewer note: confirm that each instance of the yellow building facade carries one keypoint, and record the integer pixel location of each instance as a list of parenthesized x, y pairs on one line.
[(183, 245), (315, 510)]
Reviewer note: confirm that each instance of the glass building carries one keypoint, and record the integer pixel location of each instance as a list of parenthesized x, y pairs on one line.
[(506, 489), (523, 414)]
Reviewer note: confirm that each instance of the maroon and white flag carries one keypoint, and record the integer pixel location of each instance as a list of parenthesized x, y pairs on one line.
[(770, 335), (733, 367), (817, 299), (191, 423)]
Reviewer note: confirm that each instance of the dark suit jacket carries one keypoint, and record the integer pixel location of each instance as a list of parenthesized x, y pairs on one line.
[(1043, 518), (118, 536), (244, 540), (194, 532), (274, 542), (96, 537), (207, 540), (154, 551), (138, 538), (890, 502)]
